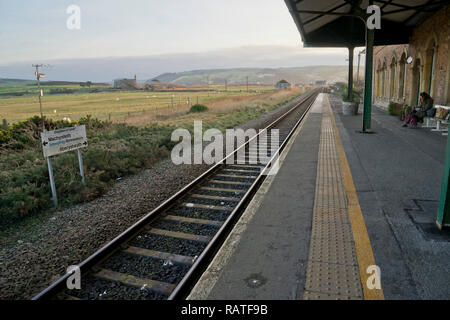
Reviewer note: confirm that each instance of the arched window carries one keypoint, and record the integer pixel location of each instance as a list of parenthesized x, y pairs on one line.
[(448, 76), (378, 80), (401, 76), (383, 80), (392, 79), (429, 67), (416, 78), (378, 84)]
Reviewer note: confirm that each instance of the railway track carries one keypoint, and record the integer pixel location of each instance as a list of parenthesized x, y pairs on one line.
[(163, 254)]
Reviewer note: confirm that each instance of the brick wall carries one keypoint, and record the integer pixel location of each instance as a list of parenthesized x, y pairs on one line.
[(429, 47)]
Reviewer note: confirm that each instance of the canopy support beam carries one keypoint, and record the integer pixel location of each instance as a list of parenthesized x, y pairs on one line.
[(350, 74), (370, 35), (443, 218)]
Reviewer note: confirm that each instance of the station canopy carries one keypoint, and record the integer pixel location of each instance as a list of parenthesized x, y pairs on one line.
[(337, 23)]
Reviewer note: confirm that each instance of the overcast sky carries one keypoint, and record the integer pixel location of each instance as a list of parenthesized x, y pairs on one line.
[(36, 30)]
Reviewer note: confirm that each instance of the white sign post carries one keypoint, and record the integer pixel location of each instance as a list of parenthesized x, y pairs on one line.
[(52, 182), (60, 141)]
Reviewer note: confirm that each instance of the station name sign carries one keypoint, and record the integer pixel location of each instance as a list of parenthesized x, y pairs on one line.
[(63, 140)]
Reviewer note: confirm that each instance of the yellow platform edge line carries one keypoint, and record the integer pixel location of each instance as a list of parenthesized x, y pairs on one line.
[(363, 247)]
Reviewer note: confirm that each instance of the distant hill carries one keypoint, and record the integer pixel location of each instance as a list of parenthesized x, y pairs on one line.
[(263, 76), (23, 82), (15, 82), (268, 76), (105, 69)]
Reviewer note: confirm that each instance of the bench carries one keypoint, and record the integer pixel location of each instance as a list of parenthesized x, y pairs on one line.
[(437, 126)]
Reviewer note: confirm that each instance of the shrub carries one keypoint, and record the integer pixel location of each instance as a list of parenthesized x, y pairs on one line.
[(198, 108), (5, 136), (61, 91), (394, 109), (356, 95), (93, 123), (391, 109), (28, 132), (4, 125)]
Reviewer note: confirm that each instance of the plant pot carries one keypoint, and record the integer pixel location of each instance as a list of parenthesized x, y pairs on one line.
[(350, 108)]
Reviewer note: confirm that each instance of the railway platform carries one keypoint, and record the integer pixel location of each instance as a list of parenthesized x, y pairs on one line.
[(345, 210)]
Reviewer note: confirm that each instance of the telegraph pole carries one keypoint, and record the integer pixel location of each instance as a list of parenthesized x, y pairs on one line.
[(49, 162), (247, 83), (38, 77), (359, 59)]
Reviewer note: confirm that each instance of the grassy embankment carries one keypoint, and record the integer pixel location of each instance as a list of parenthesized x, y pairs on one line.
[(115, 150)]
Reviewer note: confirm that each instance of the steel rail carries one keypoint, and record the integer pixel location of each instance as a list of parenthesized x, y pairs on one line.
[(134, 229)]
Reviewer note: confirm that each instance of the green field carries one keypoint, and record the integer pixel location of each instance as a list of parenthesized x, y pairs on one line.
[(113, 106), (29, 87)]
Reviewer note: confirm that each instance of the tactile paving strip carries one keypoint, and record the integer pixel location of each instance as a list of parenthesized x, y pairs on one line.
[(332, 272), (332, 250), (335, 279), (323, 296)]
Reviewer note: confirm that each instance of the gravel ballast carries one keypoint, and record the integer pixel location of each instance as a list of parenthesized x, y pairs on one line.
[(146, 268), (200, 213), (167, 244), (100, 289), (214, 202), (234, 194), (185, 227)]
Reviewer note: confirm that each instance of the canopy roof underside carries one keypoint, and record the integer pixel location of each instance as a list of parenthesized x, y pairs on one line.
[(338, 23)]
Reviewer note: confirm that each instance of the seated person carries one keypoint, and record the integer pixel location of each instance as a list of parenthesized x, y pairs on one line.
[(418, 113)]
